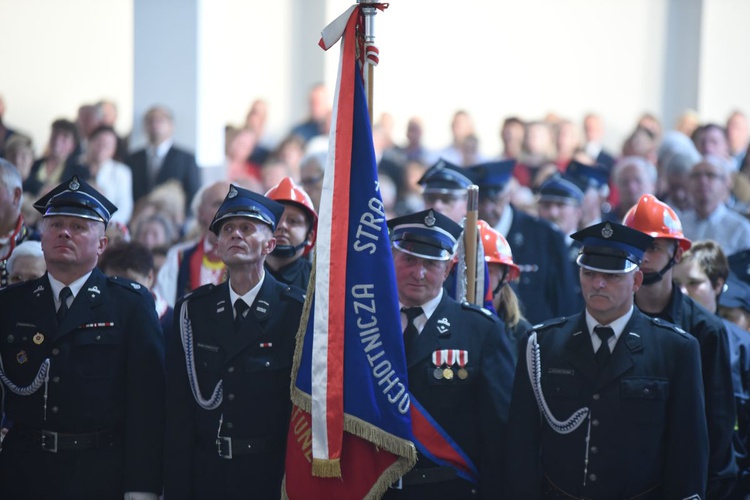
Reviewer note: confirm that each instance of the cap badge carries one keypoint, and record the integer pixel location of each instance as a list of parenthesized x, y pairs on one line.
[(74, 184), (232, 192), (429, 219), (607, 231)]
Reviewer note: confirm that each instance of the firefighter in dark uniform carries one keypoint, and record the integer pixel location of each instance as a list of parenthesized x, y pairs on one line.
[(608, 404), (538, 247), (82, 367), (229, 366), (659, 297), (295, 235), (444, 189), (559, 202), (459, 362)]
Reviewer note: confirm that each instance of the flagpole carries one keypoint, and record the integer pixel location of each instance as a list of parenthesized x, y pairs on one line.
[(470, 242), (369, 11)]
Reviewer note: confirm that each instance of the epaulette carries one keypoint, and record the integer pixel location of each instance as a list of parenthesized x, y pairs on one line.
[(472, 307), (131, 285), (295, 294), (666, 324), (198, 292), (549, 323)]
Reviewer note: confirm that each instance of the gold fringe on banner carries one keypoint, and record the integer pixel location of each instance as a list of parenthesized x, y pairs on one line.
[(322, 467)]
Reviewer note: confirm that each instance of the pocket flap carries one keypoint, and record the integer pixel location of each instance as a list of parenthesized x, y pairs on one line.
[(644, 388)]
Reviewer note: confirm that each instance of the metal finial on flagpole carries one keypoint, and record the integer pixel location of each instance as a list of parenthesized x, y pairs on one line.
[(369, 11)]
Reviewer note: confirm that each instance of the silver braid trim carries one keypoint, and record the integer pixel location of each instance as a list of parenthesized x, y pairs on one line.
[(41, 376), (186, 334), (534, 365)]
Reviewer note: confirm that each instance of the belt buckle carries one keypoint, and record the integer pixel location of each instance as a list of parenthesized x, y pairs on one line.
[(220, 442), (398, 485), (46, 436)]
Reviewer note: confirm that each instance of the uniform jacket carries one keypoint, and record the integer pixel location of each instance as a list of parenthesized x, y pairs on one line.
[(473, 411), (739, 355), (255, 367), (546, 278), (297, 273), (106, 372), (178, 164), (708, 329), (646, 422)]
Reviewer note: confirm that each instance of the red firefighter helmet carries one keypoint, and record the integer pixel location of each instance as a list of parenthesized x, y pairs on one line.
[(497, 250), (657, 219), (286, 191)]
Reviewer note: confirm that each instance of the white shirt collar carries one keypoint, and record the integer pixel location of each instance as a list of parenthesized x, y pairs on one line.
[(162, 149), (428, 308), (506, 220), (75, 287), (250, 296), (617, 326)]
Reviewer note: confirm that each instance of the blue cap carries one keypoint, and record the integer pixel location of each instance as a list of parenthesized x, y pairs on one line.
[(586, 176), (492, 175), (739, 263), (556, 189), (240, 202), (609, 247), (736, 294), (76, 198), (444, 178), (427, 234)]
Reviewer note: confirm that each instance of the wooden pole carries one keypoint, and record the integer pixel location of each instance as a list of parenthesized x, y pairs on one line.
[(470, 243)]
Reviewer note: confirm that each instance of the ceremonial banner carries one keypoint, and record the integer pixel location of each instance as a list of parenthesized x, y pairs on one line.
[(350, 432)]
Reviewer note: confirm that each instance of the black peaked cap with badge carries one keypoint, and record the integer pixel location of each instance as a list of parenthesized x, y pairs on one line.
[(76, 198), (557, 189), (240, 202), (609, 247), (445, 178), (586, 176), (427, 234), (491, 176)]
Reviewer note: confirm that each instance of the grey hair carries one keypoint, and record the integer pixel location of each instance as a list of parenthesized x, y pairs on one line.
[(646, 167), (25, 249)]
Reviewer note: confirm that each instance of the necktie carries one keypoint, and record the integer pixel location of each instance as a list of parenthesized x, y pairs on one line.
[(240, 308), (603, 354), (63, 309), (410, 332)]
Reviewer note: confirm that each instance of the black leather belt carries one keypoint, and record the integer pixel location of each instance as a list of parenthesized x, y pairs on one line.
[(53, 442), (228, 447), (425, 476)]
